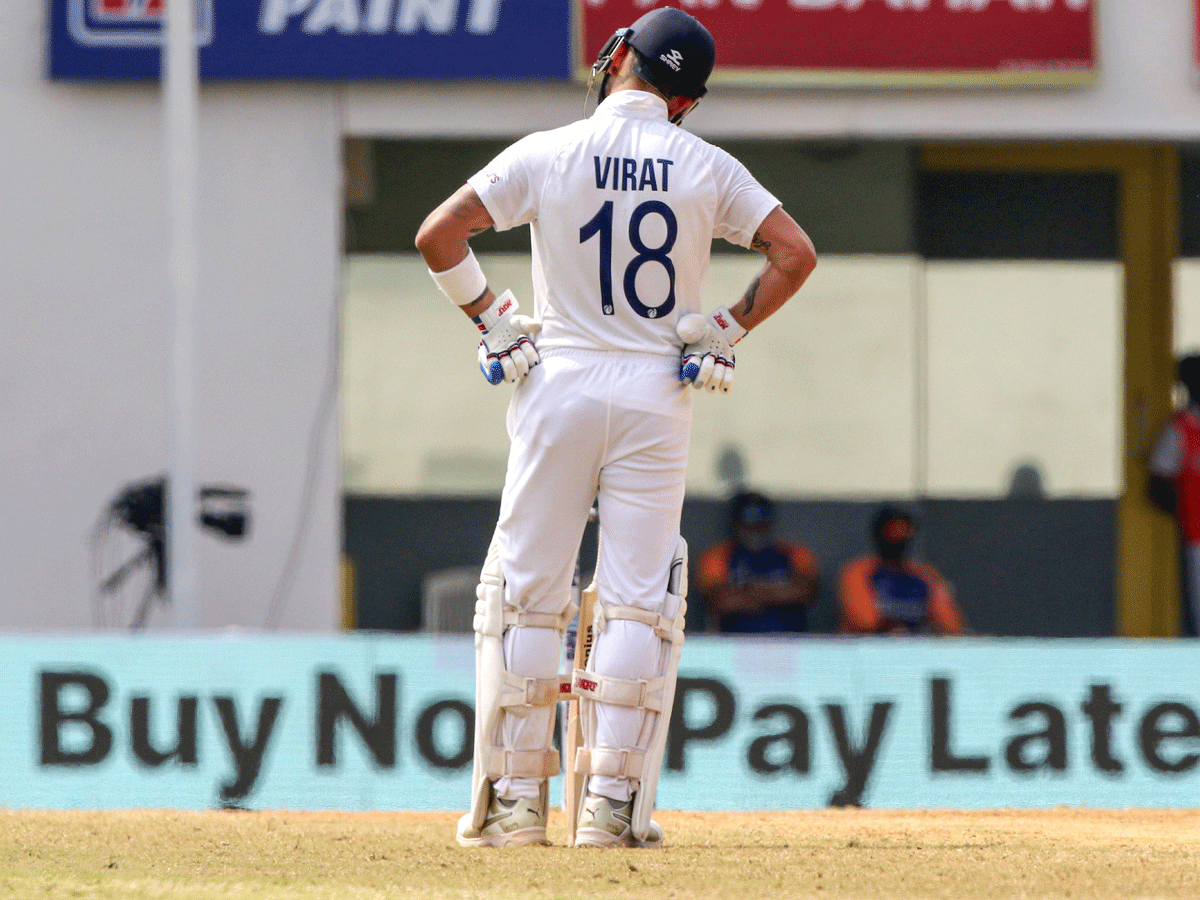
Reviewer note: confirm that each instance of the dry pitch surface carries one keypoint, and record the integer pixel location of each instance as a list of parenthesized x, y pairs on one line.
[(851, 853)]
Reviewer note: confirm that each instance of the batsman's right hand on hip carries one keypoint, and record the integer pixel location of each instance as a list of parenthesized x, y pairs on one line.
[(707, 359), (506, 352)]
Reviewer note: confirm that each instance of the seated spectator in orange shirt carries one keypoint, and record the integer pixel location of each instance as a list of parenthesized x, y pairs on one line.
[(887, 593), (754, 581)]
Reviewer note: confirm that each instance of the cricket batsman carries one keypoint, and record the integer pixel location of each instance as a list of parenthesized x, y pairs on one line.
[(622, 208)]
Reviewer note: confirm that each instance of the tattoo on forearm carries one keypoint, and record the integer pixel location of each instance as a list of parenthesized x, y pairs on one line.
[(758, 242), (465, 208), (751, 292), (462, 208)]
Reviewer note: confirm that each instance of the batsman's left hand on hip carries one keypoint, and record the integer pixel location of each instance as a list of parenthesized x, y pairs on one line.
[(506, 352), (707, 360)]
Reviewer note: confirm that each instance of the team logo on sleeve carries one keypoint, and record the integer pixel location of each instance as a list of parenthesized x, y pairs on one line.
[(130, 23)]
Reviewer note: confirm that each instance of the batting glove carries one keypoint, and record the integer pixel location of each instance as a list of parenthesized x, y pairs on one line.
[(708, 349), (506, 352)]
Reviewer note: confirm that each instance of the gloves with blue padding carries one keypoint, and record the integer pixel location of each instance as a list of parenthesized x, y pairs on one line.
[(707, 358), (506, 352)]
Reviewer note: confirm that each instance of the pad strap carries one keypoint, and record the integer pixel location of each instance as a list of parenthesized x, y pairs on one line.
[(487, 622), (541, 620), (522, 763), (666, 629), (517, 694), (611, 761), (645, 693), (528, 692)]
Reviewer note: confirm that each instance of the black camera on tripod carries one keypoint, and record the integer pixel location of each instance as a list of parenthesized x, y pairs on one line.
[(139, 508)]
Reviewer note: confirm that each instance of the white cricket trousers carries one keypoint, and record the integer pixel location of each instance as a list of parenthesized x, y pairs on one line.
[(610, 428)]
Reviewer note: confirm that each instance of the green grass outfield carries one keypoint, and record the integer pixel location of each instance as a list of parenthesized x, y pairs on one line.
[(845, 853)]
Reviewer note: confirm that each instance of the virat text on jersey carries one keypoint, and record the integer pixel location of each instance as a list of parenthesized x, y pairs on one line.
[(624, 173)]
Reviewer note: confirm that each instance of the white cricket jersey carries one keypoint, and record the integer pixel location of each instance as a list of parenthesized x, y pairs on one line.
[(623, 207)]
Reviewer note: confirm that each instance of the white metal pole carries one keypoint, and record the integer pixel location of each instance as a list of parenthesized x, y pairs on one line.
[(180, 101)]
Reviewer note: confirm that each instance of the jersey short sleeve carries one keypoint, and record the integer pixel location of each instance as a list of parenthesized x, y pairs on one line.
[(744, 204), (508, 186)]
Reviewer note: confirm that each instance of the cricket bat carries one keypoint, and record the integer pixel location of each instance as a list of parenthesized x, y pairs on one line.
[(573, 782)]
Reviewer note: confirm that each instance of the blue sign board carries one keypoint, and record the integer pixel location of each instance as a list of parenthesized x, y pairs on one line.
[(359, 722), (505, 40)]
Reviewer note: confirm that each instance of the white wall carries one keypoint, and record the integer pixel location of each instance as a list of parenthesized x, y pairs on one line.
[(83, 347), (1146, 89)]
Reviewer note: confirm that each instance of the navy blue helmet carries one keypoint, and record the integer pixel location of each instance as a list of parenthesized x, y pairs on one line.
[(675, 53), (672, 52)]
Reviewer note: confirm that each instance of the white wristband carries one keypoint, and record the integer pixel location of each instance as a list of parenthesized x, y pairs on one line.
[(730, 329), (464, 283)]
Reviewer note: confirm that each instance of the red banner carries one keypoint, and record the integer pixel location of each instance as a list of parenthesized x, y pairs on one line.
[(877, 41)]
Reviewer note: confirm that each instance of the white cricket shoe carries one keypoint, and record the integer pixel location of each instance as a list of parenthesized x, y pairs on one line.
[(608, 823), (509, 823)]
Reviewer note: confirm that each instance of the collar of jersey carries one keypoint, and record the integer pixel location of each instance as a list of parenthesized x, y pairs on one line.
[(630, 102)]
